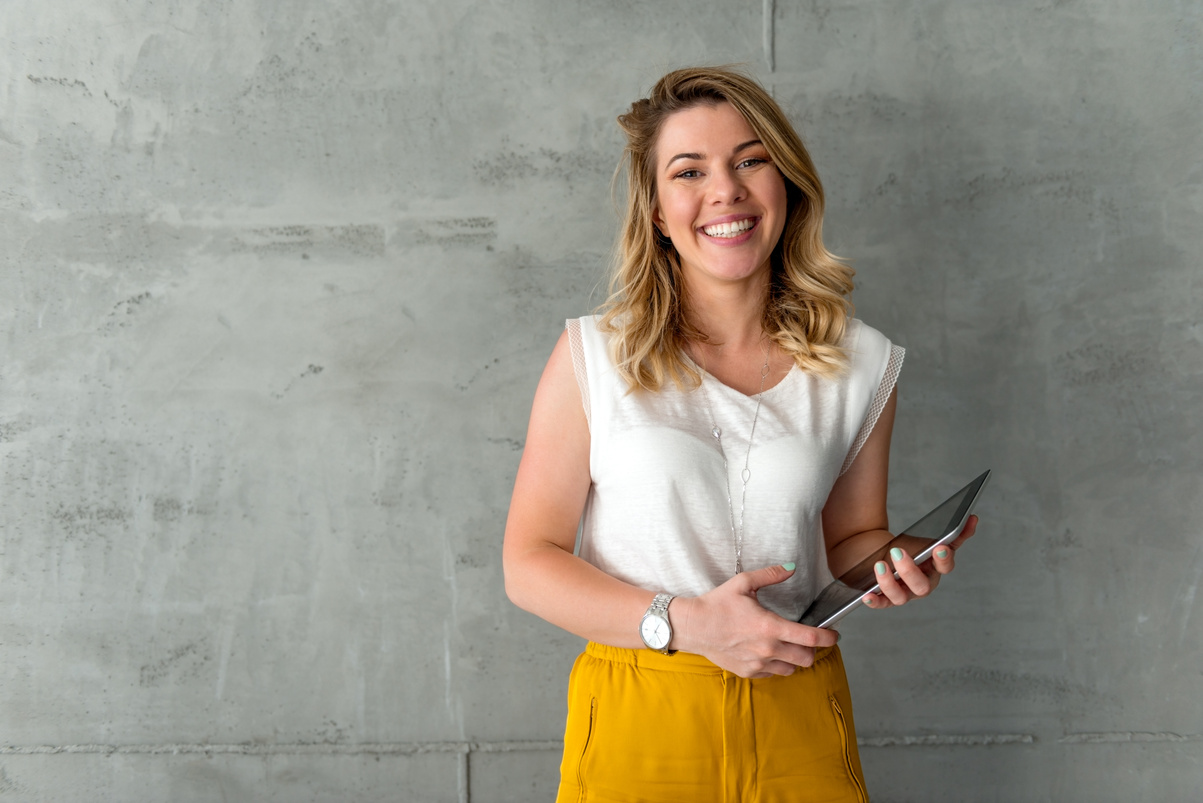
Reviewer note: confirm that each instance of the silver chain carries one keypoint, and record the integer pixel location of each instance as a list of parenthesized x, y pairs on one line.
[(737, 533)]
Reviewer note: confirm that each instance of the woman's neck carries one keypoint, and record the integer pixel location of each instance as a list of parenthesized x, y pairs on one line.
[(736, 347), (730, 316)]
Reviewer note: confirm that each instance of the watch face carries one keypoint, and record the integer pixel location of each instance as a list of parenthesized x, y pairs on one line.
[(655, 632)]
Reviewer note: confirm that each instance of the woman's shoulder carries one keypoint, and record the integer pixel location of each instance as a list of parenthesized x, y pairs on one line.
[(586, 330), (867, 348), (590, 344), (590, 324), (859, 336)]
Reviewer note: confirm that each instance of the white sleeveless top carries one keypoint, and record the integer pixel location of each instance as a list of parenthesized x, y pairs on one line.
[(657, 514)]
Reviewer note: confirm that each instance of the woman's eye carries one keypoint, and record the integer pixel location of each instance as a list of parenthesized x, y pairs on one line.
[(752, 162), (690, 173)]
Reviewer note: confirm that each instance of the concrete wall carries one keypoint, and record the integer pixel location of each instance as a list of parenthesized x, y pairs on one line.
[(277, 281)]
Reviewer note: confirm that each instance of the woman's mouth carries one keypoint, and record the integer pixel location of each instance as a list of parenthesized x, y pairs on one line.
[(732, 229)]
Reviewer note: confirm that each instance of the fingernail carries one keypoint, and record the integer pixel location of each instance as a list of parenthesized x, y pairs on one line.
[(867, 599), (789, 567), (880, 567), (838, 636), (896, 554), (941, 553)]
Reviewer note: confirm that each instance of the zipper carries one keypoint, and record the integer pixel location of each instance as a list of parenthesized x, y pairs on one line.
[(843, 726), (580, 775)]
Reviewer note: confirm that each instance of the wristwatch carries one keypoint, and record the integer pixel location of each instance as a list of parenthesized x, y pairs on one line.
[(654, 628)]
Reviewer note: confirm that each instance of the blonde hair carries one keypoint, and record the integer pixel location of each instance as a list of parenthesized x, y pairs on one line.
[(808, 303)]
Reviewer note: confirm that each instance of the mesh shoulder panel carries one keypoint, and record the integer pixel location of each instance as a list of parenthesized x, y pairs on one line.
[(888, 380), (577, 345)]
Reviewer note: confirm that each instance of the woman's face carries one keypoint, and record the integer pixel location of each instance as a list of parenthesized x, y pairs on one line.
[(719, 197)]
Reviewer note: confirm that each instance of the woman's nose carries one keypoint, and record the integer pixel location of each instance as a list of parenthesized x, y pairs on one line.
[(726, 187)]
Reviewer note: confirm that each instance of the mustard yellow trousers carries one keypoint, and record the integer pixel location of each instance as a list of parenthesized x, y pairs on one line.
[(645, 728)]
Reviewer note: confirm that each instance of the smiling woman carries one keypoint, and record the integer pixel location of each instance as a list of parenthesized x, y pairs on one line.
[(807, 306), (720, 434)]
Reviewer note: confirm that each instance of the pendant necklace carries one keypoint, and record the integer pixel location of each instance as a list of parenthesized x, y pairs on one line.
[(737, 530)]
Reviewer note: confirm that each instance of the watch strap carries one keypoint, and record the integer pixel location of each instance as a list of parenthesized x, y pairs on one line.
[(659, 605)]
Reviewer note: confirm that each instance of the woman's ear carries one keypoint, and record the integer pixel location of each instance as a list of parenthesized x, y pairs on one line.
[(658, 223)]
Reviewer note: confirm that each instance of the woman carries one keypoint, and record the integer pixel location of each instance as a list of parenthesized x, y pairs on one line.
[(721, 434)]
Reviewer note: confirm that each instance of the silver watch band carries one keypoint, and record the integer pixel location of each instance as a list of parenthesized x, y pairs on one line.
[(659, 604)]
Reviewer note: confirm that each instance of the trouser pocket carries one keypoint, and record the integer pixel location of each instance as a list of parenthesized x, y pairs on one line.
[(846, 740), (589, 735)]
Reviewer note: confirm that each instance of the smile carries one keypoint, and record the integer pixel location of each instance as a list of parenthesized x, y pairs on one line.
[(730, 229)]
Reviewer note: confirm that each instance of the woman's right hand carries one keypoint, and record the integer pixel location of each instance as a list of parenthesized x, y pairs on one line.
[(730, 627)]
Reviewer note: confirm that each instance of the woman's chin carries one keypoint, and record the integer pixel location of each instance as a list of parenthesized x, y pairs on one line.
[(725, 271)]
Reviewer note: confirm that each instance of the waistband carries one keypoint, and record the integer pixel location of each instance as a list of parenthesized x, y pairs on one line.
[(687, 662)]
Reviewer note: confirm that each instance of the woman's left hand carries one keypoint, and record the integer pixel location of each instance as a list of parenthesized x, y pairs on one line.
[(913, 580)]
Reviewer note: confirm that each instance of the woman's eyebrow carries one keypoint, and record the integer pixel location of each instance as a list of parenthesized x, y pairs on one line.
[(683, 156), (741, 147)]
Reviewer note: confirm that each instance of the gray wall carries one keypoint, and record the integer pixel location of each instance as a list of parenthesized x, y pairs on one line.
[(277, 281)]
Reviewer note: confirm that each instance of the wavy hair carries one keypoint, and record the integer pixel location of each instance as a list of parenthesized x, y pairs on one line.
[(808, 305)]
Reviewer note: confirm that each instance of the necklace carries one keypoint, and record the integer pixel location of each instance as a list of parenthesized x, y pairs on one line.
[(737, 531)]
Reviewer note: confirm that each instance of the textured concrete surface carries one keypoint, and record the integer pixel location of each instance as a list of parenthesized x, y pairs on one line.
[(278, 279)]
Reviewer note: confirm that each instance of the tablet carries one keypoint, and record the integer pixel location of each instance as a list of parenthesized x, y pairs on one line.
[(919, 540)]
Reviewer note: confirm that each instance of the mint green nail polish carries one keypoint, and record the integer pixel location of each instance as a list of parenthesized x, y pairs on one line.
[(896, 553), (789, 567), (941, 553), (880, 567)]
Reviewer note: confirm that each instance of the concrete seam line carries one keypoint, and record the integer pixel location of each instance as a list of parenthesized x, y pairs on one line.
[(770, 12), (1127, 737), (515, 746), (235, 749), (463, 748), (532, 746), (948, 740), (394, 748), (463, 777)]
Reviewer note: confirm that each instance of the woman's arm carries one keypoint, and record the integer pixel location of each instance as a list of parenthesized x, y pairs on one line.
[(727, 625), (541, 573), (856, 524)]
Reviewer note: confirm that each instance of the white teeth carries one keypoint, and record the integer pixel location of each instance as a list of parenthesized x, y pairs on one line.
[(730, 229)]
